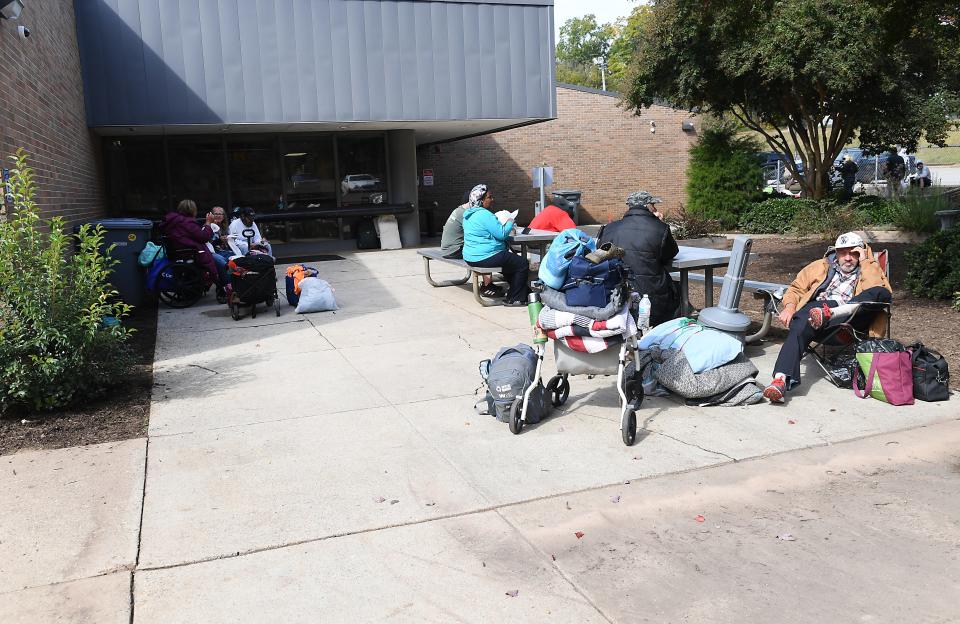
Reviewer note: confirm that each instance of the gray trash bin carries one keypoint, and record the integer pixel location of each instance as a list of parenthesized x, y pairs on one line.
[(130, 237), (574, 198)]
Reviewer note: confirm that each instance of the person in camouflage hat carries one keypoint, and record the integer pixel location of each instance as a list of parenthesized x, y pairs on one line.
[(649, 249)]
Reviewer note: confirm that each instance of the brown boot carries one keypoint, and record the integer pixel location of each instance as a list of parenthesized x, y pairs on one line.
[(605, 251)]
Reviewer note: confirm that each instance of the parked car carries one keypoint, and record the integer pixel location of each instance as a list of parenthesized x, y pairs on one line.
[(770, 162), (359, 182)]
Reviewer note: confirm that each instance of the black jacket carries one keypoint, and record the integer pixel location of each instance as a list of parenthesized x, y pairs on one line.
[(650, 250)]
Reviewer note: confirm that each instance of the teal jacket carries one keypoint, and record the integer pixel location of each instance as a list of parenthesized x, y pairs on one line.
[(483, 235)]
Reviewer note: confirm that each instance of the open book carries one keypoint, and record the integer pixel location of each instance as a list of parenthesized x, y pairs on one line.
[(505, 215)]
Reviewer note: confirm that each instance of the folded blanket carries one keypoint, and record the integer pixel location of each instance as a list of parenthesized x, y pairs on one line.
[(621, 323), (558, 301), (586, 344)]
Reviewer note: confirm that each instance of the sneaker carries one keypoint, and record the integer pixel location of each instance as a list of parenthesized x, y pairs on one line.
[(221, 296), (819, 316), (515, 304), (491, 292), (775, 391)]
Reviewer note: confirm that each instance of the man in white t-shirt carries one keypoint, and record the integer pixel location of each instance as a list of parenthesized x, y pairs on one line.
[(256, 242)]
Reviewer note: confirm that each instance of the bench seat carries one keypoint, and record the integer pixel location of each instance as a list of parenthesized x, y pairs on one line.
[(473, 273)]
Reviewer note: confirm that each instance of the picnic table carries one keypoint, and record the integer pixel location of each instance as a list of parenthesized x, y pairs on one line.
[(539, 238)]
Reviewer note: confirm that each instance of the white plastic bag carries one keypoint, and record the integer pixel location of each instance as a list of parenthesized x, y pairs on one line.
[(316, 295)]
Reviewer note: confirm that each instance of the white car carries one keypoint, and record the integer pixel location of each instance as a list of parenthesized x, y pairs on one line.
[(359, 182)]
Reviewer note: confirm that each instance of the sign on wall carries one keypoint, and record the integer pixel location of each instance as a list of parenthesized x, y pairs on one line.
[(428, 177)]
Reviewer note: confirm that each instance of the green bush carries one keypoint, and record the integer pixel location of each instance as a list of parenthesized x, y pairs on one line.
[(877, 210), (918, 212), (724, 176), (55, 348), (826, 219), (933, 267), (772, 216)]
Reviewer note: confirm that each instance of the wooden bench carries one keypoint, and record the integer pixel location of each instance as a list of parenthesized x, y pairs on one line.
[(473, 273), (771, 293)]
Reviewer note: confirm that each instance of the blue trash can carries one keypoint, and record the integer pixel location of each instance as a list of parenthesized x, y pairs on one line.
[(130, 237)]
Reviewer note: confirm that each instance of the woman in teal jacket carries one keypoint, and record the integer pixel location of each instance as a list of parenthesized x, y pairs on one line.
[(485, 245)]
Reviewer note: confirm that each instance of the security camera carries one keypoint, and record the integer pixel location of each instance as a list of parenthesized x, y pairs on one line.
[(653, 127), (23, 31)]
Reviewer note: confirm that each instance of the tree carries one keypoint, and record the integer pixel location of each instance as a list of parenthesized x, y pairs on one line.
[(629, 33), (808, 75), (582, 41)]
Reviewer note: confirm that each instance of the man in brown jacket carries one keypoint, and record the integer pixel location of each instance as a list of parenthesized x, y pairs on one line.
[(826, 289)]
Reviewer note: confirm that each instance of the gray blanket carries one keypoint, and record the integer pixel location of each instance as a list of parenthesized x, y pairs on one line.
[(731, 384), (558, 301)]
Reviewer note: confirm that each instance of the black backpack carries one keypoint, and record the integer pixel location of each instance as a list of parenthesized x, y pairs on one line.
[(367, 235), (931, 377)]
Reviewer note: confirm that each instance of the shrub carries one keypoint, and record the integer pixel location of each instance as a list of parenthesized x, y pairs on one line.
[(918, 212), (933, 267), (877, 210), (55, 348), (685, 226), (826, 219), (724, 176), (772, 216)]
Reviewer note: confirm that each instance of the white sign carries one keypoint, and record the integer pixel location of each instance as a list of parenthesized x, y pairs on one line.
[(428, 180), (547, 173)]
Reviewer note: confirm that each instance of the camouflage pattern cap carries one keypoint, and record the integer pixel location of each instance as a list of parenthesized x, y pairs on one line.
[(641, 199)]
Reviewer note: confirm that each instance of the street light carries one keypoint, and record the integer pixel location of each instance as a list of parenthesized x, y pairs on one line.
[(11, 9), (602, 62)]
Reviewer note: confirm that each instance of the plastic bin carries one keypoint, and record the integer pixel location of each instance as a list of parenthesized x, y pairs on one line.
[(574, 198), (130, 237)]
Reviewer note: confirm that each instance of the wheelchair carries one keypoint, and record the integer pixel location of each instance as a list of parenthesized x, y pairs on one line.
[(184, 281)]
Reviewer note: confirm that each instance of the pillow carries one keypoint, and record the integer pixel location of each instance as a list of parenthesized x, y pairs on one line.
[(704, 347), (316, 295)]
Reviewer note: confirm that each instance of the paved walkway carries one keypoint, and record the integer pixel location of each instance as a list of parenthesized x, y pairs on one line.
[(331, 467)]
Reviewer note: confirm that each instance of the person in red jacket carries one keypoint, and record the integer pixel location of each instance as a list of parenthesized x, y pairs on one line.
[(553, 218), (181, 230)]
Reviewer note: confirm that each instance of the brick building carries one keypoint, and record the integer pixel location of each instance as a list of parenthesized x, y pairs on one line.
[(42, 111), (593, 145)]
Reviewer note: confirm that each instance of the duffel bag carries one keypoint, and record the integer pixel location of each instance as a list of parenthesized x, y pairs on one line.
[(590, 284), (568, 244), (931, 376)]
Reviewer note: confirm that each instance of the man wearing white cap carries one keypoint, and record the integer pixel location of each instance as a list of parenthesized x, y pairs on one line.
[(829, 288)]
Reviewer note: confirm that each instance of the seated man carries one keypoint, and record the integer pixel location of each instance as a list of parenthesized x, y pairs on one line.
[(650, 250), (451, 239), (554, 218), (245, 222), (826, 289)]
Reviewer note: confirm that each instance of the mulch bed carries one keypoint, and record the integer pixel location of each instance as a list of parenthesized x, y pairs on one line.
[(931, 322), (120, 415)]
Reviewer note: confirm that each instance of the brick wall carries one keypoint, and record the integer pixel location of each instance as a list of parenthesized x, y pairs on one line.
[(594, 146), (42, 110)]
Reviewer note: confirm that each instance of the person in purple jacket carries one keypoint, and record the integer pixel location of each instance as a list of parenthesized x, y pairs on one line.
[(181, 230)]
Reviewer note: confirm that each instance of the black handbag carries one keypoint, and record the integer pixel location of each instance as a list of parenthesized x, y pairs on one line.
[(931, 376)]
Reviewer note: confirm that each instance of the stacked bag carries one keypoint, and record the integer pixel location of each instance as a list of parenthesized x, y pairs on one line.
[(585, 306)]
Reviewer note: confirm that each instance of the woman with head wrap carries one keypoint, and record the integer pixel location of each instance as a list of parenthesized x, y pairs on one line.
[(451, 240), (650, 250), (485, 245)]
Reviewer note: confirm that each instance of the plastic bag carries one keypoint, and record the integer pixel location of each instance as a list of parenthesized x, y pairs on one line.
[(316, 295), (151, 252)]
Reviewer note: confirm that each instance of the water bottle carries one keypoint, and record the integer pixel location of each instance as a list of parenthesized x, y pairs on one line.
[(643, 314), (533, 311)]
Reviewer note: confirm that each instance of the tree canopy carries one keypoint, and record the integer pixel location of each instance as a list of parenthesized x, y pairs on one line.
[(583, 40), (808, 75)]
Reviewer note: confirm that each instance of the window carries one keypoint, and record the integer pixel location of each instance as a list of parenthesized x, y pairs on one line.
[(309, 177), (254, 173), (197, 172), (137, 177), (362, 169)]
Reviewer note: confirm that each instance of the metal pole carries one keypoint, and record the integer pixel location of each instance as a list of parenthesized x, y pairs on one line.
[(542, 194), (603, 75)]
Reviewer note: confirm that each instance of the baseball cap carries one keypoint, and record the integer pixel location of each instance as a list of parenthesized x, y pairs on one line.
[(642, 198), (850, 239)]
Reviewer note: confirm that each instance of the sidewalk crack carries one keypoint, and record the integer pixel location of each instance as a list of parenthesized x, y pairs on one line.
[(702, 448)]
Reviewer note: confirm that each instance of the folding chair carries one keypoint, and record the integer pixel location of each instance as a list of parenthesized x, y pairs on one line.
[(841, 337)]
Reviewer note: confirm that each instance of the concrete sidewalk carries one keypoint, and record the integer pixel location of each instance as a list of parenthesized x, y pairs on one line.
[(331, 466)]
